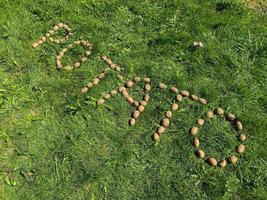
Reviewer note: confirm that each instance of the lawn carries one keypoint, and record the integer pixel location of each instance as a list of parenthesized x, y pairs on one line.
[(55, 143)]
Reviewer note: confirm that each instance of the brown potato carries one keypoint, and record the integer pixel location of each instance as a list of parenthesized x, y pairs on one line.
[(200, 153), (196, 142), (165, 122), (212, 161), (240, 148), (242, 137), (194, 130), (200, 122), (222, 163), (174, 106)]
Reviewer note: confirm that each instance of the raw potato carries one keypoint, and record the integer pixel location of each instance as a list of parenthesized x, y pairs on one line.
[(88, 53), (146, 97), (43, 38), (141, 108), (147, 87), (194, 130), (121, 88), (233, 159), (162, 86), (168, 114), (137, 79), (130, 99), (60, 25), (239, 126), (84, 90), (107, 96), (230, 117), (219, 111), (212, 161), (196, 143), (136, 114), (125, 93), (174, 106), (101, 76), (67, 68), (194, 97), (118, 69), (156, 136), (203, 101), (147, 80), (185, 93), (90, 85), (101, 101), (77, 64), (129, 84), (200, 122), (112, 65), (240, 148), (143, 103), (200, 153), (132, 121), (136, 103), (242, 137), (96, 81), (113, 92), (56, 28), (161, 130), (175, 90), (166, 122), (222, 163), (210, 114), (83, 59), (179, 97)]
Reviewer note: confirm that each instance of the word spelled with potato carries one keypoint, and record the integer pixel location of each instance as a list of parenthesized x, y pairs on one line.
[(140, 105)]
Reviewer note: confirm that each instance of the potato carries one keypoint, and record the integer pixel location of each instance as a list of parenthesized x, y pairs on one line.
[(242, 137), (165, 122), (174, 106), (174, 90), (239, 126), (233, 159), (222, 163), (156, 136), (219, 111), (179, 97), (194, 130), (212, 161), (84, 90), (230, 117), (196, 142), (203, 101), (240, 148), (132, 121), (185, 93), (168, 114), (129, 84), (210, 114), (200, 122), (193, 97), (200, 153), (161, 129), (162, 86), (90, 85), (136, 114), (141, 108), (147, 87)]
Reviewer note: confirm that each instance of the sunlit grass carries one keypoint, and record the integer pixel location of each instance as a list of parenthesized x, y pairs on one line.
[(56, 144)]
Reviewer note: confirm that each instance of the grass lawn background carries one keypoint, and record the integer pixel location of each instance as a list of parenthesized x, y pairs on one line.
[(55, 144)]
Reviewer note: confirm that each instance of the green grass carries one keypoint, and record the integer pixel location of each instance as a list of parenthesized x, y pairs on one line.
[(54, 144)]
